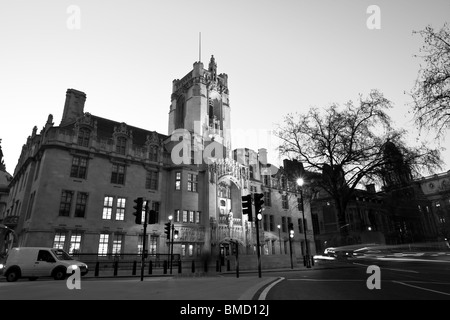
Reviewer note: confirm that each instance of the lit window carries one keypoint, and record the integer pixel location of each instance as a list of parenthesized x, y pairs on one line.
[(75, 243), (117, 244), (58, 240), (178, 181), (107, 208), (103, 244), (120, 210), (192, 182)]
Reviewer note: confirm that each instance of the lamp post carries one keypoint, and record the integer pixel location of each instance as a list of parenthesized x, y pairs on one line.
[(300, 184), (171, 244), (279, 236)]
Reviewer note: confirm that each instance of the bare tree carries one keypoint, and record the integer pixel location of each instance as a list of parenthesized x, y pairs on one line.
[(431, 93), (347, 146)]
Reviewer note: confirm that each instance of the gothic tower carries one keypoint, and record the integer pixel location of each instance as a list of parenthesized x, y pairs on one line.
[(200, 105)]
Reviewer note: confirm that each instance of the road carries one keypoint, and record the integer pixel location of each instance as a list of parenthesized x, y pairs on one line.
[(407, 279)]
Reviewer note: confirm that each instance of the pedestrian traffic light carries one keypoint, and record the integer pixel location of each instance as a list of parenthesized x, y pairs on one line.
[(247, 206), (258, 202), (152, 218), (167, 229), (299, 204), (175, 234), (138, 209)]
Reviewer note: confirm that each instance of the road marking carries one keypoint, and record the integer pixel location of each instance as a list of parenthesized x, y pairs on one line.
[(417, 287), (263, 294), (402, 270), (351, 280)]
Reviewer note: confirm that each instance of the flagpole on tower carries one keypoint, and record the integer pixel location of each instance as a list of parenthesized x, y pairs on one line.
[(200, 47)]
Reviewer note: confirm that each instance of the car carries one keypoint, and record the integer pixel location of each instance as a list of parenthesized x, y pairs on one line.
[(35, 262)]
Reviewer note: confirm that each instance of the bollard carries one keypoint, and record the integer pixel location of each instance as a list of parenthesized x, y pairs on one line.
[(228, 265), (304, 261), (134, 268), (150, 267), (116, 266), (312, 261), (165, 267), (97, 267), (179, 266), (193, 266)]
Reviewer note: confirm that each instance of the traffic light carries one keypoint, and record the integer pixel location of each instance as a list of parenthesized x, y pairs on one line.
[(175, 234), (247, 206), (299, 204), (258, 202), (152, 217), (138, 209), (167, 229)]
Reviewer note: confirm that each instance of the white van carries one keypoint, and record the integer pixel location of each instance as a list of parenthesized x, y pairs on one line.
[(34, 262)]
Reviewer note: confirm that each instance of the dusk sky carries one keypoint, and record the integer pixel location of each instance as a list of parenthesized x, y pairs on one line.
[(280, 57)]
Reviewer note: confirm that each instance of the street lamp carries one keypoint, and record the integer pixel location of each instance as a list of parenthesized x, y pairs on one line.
[(300, 184), (171, 243), (279, 236)]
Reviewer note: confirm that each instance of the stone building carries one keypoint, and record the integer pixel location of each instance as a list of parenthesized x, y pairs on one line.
[(75, 183)]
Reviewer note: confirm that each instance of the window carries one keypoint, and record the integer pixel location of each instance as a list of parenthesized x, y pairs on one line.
[(283, 224), (183, 250), (177, 216), (266, 180), (197, 217), (58, 240), (153, 244), (155, 206), (192, 182), (140, 246), (272, 223), (284, 201), (117, 244), (103, 244), (177, 180), (83, 137), (265, 222), (66, 202), (118, 174), (267, 198), (191, 216), (151, 180), (191, 250), (153, 154), (251, 172), (79, 165), (289, 221), (185, 214), (80, 207), (121, 145), (107, 208), (30, 205), (120, 208), (75, 243), (283, 183), (300, 225)]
